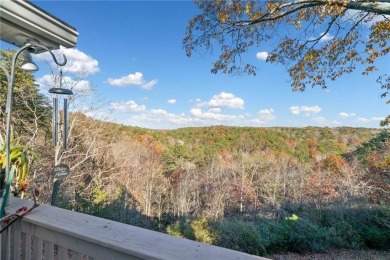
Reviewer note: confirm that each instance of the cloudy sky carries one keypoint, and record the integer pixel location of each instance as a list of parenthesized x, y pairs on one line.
[(129, 67)]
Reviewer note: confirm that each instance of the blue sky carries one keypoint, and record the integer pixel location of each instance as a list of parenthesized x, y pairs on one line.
[(130, 67)]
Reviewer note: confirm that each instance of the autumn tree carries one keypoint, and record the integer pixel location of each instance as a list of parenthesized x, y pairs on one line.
[(317, 40)]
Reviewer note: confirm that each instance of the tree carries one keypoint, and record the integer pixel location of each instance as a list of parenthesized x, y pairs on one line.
[(329, 38), (31, 110)]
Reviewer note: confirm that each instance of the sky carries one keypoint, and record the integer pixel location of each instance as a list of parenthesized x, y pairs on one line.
[(129, 67)]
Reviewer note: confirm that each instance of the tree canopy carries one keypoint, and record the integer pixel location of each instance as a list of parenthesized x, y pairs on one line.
[(317, 40)]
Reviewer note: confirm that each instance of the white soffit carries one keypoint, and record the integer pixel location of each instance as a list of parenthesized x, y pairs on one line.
[(22, 22)]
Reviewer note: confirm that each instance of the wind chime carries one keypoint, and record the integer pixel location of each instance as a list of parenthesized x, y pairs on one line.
[(57, 93), (59, 171)]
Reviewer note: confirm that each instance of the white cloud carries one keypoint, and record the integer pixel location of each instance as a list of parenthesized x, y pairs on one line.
[(215, 110), (326, 37), (78, 62), (267, 113), (49, 81), (263, 55), (196, 111), (363, 120), (203, 113), (128, 106), (264, 116), (324, 122), (320, 119), (377, 118), (296, 110), (346, 115), (99, 114), (150, 84), (160, 116), (158, 112), (213, 116), (132, 79), (227, 100)]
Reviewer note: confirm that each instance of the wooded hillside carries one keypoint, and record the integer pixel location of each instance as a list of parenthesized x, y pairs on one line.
[(257, 190)]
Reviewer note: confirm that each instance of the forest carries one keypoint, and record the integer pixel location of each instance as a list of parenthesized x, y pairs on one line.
[(256, 190)]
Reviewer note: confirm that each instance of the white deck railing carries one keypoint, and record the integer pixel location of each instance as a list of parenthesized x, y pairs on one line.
[(54, 233)]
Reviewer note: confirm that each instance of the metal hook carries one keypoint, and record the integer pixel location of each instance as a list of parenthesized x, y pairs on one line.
[(51, 53), (55, 60)]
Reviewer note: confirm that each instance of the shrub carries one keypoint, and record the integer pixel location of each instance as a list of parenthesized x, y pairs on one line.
[(181, 228), (243, 236), (305, 236), (377, 238), (278, 239), (202, 230), (372, 226), (344, 235), (174, 230)]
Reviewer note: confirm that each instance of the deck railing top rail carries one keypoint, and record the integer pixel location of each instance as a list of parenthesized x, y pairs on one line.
[(100, 238)]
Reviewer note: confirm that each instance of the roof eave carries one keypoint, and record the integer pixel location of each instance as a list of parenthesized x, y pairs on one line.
[(22, 22)]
